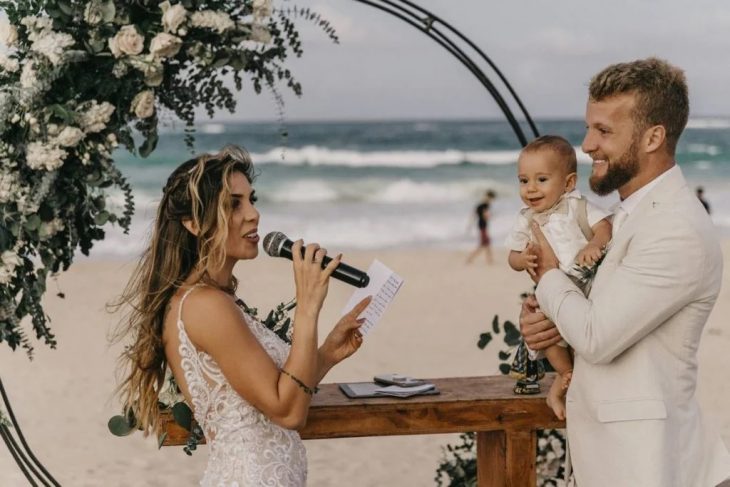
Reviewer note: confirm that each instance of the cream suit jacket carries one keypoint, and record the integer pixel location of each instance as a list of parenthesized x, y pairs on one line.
[(632, 414)]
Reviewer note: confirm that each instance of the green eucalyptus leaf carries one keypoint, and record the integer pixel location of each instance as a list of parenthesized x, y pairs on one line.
[(5, 239), (504, 368), (504, 355), (512, 335), (219, 63), (53, 12), (65, 7), (101, 218), (149, 145), (32, 223), (495, 324), (484, 340), (108, 11), (183, 415), (118, 426)]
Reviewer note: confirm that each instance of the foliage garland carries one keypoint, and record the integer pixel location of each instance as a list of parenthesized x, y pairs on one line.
[(79, 78)]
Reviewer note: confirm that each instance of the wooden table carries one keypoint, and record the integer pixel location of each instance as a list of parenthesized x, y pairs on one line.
[(506, 424)]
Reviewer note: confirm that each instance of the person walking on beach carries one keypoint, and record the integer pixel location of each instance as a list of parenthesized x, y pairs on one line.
[(481, 212), (632, 414), (248, 389), (700, 191)]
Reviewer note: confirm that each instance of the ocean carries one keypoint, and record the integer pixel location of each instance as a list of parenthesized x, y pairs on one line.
[(391, 184)]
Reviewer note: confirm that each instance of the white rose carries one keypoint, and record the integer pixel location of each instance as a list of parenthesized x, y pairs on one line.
[(94, 116), (218, 21), (165, 45), (97, 12), (52, 45), (39, 156), (10, 259), (9, 64), (8, 33), (143, 105), (6, 275), (172, 16), (260, 33), (127, 41), (261, 8), (28, 77), (70, 137)]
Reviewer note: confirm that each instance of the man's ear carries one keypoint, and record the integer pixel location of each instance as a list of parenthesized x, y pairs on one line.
[(570, 181), (654, 138), (190, 226)]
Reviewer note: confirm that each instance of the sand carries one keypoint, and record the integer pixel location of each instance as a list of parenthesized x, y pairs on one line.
[(63, 398)]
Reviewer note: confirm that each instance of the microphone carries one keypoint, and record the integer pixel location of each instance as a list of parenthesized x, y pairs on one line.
[(276, 244)]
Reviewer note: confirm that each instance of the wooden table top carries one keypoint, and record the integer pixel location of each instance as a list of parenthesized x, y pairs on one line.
[(485, 403)]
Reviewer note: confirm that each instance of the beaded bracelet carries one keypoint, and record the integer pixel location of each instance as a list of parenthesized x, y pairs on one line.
[(301, 384)]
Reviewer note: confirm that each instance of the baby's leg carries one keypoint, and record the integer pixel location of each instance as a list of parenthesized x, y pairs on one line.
[(559, 357)]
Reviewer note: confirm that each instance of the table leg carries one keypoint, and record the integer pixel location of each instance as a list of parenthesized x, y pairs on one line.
[(506, 458)]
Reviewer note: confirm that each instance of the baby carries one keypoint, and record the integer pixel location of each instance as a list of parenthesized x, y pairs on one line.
[(577, 231)]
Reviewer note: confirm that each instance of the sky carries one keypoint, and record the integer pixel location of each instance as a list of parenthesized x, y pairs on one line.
[(385, 69)]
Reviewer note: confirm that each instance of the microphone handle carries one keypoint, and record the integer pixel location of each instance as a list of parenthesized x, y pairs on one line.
[(343, 272)]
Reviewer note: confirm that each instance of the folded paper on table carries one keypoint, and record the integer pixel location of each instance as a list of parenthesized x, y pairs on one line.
[(383, 286), (357, 390)]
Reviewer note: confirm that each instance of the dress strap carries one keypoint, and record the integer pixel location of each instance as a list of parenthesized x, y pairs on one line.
[(182, 300)]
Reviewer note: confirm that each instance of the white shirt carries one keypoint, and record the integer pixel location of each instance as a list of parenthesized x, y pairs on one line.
[(632, 201), (561, 230)]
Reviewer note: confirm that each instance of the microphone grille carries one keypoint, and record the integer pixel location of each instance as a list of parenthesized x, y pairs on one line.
[(272, 243)]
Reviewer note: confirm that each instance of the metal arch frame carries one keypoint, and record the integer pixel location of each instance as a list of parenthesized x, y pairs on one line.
[(412, 14), (442, 32)]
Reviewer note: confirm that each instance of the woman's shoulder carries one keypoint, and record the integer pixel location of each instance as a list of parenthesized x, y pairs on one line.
[(203, 299), (208, 314)]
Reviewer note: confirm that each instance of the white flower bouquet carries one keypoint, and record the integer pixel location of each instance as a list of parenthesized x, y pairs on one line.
[(77, 79)]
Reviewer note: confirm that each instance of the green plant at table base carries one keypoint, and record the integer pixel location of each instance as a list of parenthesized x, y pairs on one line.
[(458, 468)]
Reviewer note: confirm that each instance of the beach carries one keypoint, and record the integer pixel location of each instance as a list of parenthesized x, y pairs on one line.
[(63, 398)]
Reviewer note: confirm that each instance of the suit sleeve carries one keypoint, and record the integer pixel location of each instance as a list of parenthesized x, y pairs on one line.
[(659, 275)]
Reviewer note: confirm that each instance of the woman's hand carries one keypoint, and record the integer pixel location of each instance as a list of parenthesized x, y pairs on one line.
[(312, 281), (344, 339)]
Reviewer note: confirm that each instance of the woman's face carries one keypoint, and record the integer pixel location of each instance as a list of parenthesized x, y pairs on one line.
[(243, 234)]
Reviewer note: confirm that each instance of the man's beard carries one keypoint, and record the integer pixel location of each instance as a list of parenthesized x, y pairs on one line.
[(618, 173)]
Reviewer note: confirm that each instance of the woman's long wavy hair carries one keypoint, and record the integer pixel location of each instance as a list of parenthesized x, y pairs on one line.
[(198, 191)]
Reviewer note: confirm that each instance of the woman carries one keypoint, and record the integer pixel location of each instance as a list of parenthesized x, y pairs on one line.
[(248, 390)]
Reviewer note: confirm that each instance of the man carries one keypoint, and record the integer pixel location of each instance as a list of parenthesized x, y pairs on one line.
[(632, 414)]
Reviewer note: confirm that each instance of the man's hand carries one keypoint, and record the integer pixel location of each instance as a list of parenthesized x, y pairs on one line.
[(539, 332), (546, 258)]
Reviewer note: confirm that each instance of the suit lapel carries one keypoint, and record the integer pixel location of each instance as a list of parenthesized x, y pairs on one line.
[(664, 192)]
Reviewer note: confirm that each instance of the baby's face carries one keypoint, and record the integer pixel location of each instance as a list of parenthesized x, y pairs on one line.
[(543, 179)]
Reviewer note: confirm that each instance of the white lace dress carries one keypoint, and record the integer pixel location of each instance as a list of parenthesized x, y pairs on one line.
[(246, 448)]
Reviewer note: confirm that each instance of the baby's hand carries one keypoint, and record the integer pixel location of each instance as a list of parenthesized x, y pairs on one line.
[(590, 254), (529, 259)]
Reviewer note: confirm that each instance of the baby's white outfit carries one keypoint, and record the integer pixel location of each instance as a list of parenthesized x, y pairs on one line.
[(560, 225)]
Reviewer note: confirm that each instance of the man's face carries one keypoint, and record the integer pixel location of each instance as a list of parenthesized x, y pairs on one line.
[(612, 143)]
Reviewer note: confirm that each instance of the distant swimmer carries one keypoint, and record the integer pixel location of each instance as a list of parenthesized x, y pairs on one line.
[(482, 216)]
